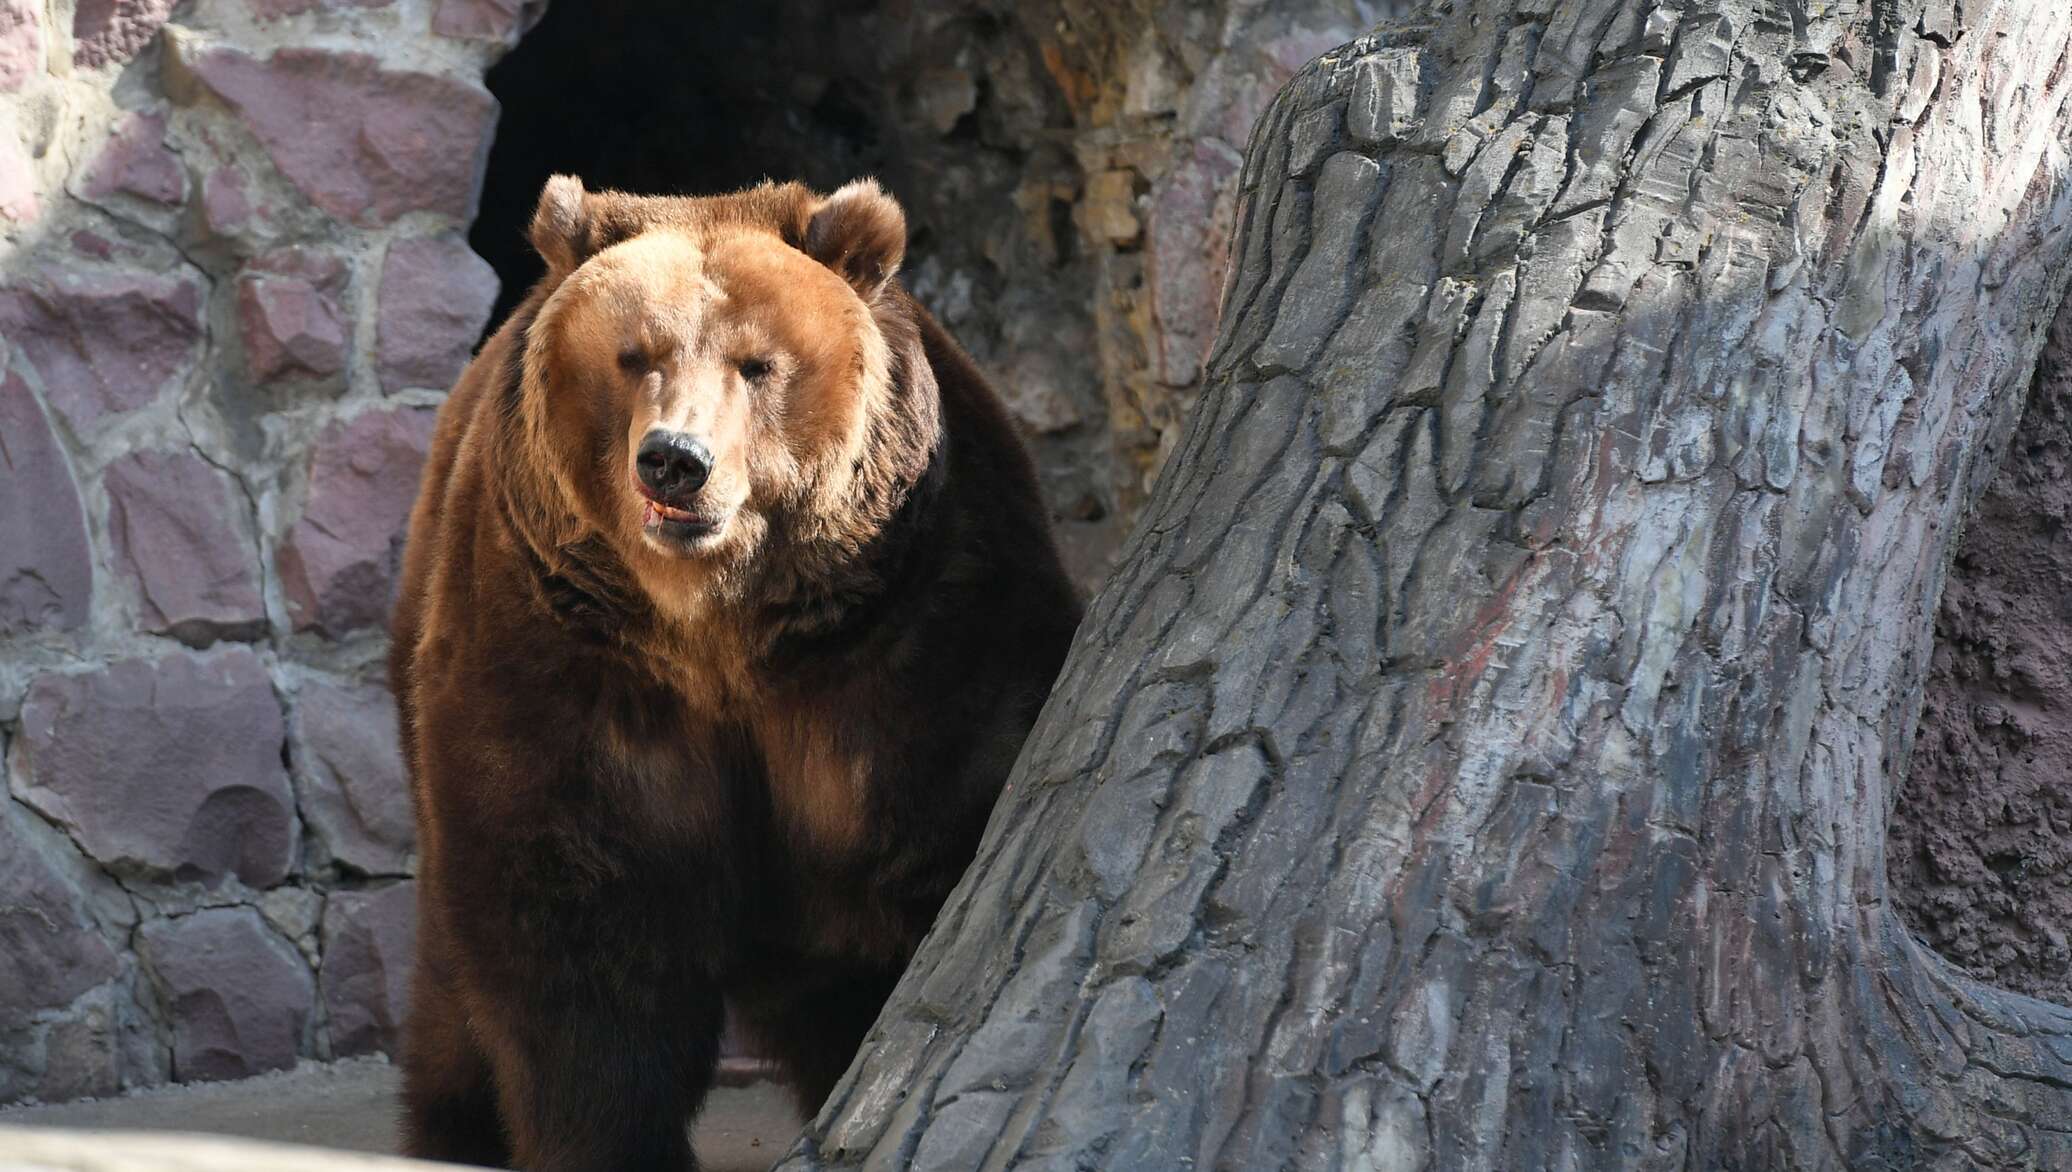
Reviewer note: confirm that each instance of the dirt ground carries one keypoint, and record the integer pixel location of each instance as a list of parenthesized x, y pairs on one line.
[(352, 1106)]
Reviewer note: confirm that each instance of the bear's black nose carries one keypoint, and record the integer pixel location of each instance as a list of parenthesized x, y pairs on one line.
[(672, 464)]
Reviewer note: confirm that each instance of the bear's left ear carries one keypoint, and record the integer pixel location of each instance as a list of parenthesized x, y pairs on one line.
[(860, 233)]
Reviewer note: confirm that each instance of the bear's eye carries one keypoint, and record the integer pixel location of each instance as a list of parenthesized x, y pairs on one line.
[(633, 361), (754, 369)]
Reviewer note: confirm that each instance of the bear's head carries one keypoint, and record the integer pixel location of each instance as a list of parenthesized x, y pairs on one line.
[(707, 376)]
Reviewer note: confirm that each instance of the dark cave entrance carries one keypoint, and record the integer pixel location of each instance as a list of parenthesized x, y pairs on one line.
[(665, 98)]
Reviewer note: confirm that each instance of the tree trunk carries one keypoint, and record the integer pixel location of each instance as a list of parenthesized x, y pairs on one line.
[(1481, 758)]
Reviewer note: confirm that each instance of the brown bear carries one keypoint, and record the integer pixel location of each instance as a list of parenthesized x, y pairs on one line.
[(728, 602)]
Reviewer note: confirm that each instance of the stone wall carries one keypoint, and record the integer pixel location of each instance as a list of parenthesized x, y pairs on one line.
[(233, 286)]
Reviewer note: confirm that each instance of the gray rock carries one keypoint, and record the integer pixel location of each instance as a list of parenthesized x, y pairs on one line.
[(1385, 93)]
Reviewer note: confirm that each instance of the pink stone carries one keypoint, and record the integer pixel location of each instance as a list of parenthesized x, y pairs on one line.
[(482, 20), (110, 32), (180, 539), (350, 769), (165, 767), (46, 567), (104, 341), (435, 296), (364, 143), (21, 43), (92, 244), (18, 200), (289, 317), (240, 996), (369, 937), (338, 564), (324, 270), (1191, 210), (50, 950), (137, 162)]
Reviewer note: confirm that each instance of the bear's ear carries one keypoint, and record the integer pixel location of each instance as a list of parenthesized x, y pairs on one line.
[(561, 224), (860, 233)]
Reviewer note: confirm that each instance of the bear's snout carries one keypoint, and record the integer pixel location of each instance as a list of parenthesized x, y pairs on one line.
[(673, 465)]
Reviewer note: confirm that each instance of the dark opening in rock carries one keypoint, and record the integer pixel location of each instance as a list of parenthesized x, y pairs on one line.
[(1980, 852), (665, 98)]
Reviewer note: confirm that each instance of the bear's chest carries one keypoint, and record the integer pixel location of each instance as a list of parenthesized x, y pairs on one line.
[(819, 770)]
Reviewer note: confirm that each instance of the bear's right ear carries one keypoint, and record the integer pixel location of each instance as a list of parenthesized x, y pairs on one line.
[(561, 225)]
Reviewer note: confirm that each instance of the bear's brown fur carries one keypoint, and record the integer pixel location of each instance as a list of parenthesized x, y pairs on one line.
[(671, 748)]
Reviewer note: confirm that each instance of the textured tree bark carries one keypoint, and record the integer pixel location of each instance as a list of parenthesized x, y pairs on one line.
[(1481, 758)]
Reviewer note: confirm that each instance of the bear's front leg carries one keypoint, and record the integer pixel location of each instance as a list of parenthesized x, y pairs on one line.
[(589, 981)]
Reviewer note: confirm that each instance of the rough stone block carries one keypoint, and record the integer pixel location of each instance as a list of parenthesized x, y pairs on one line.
[(176, 523), (111, 32), (289, 315), (1385, 95), (338, 564), (225, 205), (1316, 295), (21, 43), (238, 995), (103, 341), (1043, 354), (364, 143), (435, 295), (1109, 211), (168, 766), (137, 162), (46, 566), (351, 771), (51, 952), (369, 937)]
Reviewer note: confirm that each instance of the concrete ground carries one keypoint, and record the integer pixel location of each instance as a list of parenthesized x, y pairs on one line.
[(352, 1106)]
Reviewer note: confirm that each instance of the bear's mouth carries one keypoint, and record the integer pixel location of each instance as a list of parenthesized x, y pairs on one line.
[(660, 518)]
